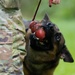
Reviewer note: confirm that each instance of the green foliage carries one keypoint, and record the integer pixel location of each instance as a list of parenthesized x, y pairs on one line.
[(67, 27), (65, 10)]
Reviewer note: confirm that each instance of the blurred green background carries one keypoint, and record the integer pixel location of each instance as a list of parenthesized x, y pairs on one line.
[(63, 15)]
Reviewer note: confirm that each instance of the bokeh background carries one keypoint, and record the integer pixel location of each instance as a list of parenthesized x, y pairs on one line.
[(63, 15)]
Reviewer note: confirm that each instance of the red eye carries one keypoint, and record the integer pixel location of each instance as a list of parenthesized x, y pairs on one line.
[(40, 33)]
